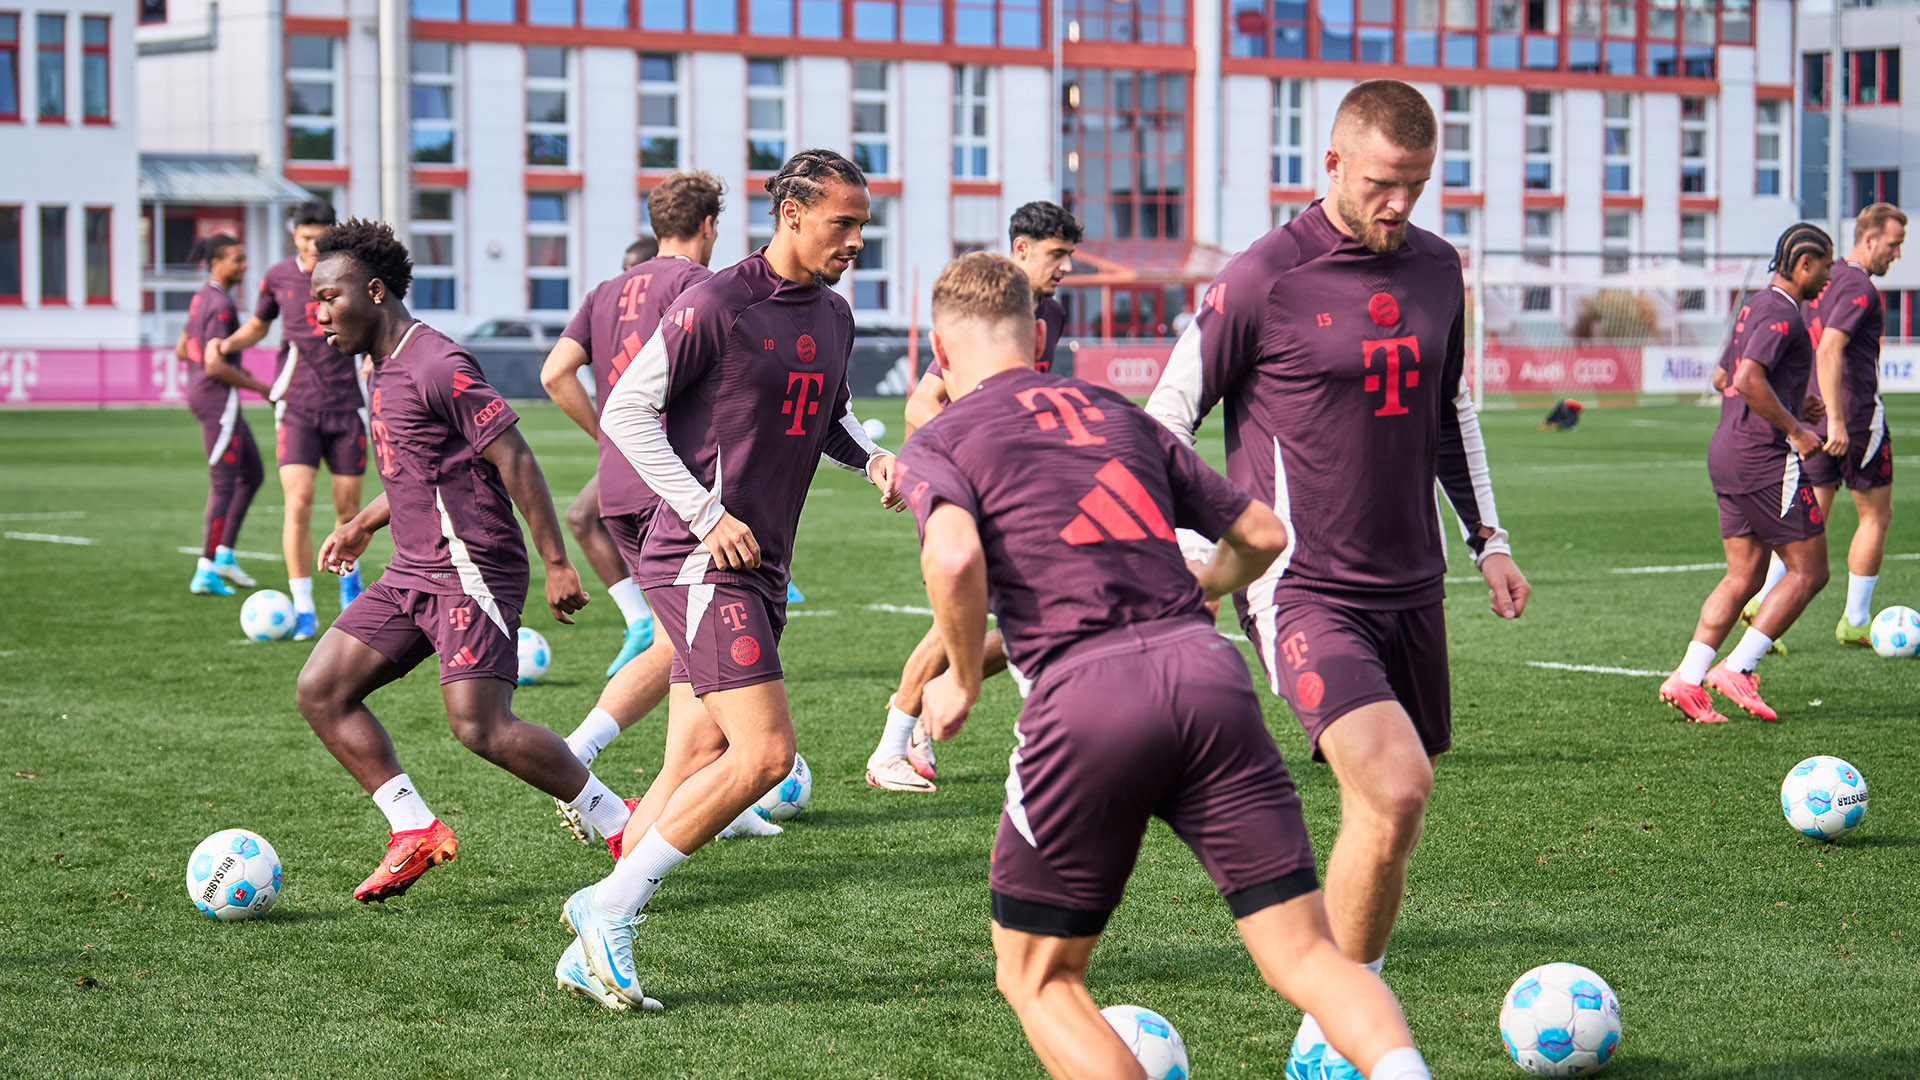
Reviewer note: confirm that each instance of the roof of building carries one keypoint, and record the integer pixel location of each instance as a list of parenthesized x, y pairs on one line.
[(213, 180)]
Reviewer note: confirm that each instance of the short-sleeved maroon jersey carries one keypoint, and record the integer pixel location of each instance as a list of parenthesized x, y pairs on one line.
[(313, 376), (1048, 311), (728, 409), (613, 325), (1851, 304), (1076, 493), (1339, 371), (431, 415), (210, 314), (1747, 453)]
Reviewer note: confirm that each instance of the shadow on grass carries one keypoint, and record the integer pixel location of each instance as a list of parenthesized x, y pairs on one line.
[(1878, 840)]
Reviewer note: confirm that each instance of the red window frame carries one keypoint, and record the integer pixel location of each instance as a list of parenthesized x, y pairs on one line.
[(104, 52), (1091, 206), (64, 298), (58, 51), (1881, 82), (10, 46), (87, 219), (1816, 81), (1898, 304), (16, 297)]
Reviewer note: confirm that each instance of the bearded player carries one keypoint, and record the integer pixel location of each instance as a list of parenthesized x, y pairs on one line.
[(1043, 237), (726, 414), (1336, 343), (321, 414), (1755, 461), (453, 465)]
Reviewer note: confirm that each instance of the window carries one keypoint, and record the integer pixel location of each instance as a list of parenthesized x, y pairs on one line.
[(759, 222), (766, 114), (1456, 137), (95, 83), (1125, 142), (432, 245), (1376, 31), (1149, 22), (1896, 302), (434, 98), (1869, 187), (1289, 133), (872, 109), (708, 18), (659, 111), (9, 69), (549, 277), (1618, 146), (1813, 76), (1693, 252), (1541, 230), (547, 131), (1766, 147), (972, 120), (1539, 140), (1616, 239), (872, 267), (153, 11), (9, 255), (51, 70), (99, 253), (1873, 77), (897, 20), (1456, 224), (1287, 211), (313, 79), (1693, 145), (53, 254)]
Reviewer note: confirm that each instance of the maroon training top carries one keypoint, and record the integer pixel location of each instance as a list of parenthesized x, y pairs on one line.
[(210, 314), (1048, 311), (1850, 303), (313, 376), (1747, 453)]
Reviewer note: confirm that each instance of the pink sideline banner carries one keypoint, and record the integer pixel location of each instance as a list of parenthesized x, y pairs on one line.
[(1133, 370), (137, 376), (1519, 369)]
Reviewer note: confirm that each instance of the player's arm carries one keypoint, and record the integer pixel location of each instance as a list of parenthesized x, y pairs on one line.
[(1750, 382), (246, 337), (1246, 549), (342, 548), (214, 359), (1468, 482), (561, 379), (928, 398), (954, 563), (848, 446), (510, 454), (180, 347), (1829, 361)]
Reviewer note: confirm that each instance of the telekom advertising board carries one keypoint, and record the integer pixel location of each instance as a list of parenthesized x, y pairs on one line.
[(106, 376)]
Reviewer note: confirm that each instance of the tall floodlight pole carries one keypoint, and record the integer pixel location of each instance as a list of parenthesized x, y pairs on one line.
[(394, 35), (1836, 126)]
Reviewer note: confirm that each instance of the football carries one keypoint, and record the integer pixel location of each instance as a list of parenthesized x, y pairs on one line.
[(789, 796), (1155, 1045), (1824, 797), (876, 429), (535, 656), (1560, 1020), (1895, 632), (268, 616), (234, 874)]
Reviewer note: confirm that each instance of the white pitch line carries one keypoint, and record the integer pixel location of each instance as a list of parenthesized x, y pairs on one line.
[(52, 515), (797, 614), (900, 609), (50, 538), (1681, 568), (275, 556), (1598, 670)]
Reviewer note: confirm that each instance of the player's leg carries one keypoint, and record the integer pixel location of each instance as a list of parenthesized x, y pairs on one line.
[(347, 462), (1385, 779), (632, 693), (222, 480), (1747, 557), (905, 735), (1864, 556), (1795, 531), (296, 536), (583, 520), (244, 476), (622, 533), (1045, 980)]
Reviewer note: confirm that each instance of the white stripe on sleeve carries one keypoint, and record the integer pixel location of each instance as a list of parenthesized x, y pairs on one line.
[(632, 421), (1475, 448), (1175, 401)]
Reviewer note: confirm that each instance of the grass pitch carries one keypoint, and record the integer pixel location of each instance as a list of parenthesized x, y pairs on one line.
[(1576, 819)]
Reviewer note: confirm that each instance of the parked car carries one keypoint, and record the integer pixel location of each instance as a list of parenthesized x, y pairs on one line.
[(518, 330)]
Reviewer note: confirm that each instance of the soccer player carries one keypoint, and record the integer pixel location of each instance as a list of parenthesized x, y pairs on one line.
[(213, 396), (1043, 237), (320, 414), (1766, 500), (1054, 502), (1846, 322), (749, 369), (640, 250), (611, 327), (450, 458), (1336, 343)]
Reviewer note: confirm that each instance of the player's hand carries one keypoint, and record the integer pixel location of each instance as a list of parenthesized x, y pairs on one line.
[(944, 704), (1812, 409), (732, 544), (564, 594), (343, 547), (1720, 379), (1507, 587), (1805, 441), (1836, 443), (884, 471)]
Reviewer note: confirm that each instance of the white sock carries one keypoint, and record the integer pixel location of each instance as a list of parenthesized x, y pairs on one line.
[(204, 563), (1374, 965), (600, 807), (636, 877), (593, 735), (1332, 1055), (1746, 655), (627, 595), (222, 551), (302, 590), (1400, 1063), (1693, 668), (1310, 1032), (899, 730), (1775, 571), (1860, 599), (404, 807), (749, 824)]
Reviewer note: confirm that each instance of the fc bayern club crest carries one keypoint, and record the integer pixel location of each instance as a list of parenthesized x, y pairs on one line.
[(746, 651), (1383, 309), (805, 348)]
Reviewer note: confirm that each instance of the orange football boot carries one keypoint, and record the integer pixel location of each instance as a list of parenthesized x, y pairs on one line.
[(409, 854), (1692, 700), (1741, 688)]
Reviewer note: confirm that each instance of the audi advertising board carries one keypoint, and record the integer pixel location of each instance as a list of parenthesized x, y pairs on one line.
[(1131, 369)]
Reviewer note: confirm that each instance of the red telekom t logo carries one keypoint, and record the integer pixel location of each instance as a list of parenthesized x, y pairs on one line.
[(1062, 399), (461, 617), (1389, 350), (799, 407), (734, 614), (632, 295), (1295, 649)]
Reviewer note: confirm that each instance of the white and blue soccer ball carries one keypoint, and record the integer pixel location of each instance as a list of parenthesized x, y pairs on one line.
[(1824, 797), (1560, 1020), (1895, 632), (267, 616), (233, 875), (876, 429), (535, 657), (1155, 1045), (789, 796)]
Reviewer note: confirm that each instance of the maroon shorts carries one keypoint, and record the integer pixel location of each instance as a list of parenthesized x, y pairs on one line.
[(1328, 659), (1868, 464), (724, 636), (1768, 518), (408, 625), (1154, 720), (628, 530), (307, 438)]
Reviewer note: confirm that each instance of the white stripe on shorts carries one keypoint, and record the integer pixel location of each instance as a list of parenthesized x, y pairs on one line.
[(229, 417)]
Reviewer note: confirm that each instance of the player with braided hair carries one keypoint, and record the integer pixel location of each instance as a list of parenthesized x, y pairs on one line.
[(1766, 502)]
